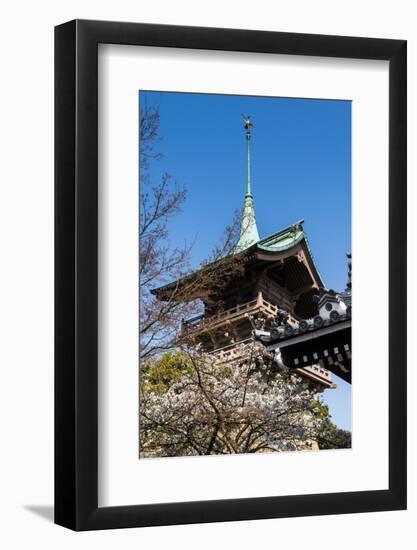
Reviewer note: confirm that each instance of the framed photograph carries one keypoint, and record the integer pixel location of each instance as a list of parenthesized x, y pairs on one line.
[(230, 254)]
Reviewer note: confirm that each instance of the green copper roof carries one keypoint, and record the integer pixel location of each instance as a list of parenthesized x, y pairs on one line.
[(284, 239), (248, 230)]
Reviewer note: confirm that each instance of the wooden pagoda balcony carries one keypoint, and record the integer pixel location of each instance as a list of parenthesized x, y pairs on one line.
[(220, 334), (212, 322), (313, 372)]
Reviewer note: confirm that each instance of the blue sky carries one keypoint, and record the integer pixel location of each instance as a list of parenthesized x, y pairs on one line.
[(301, 169)]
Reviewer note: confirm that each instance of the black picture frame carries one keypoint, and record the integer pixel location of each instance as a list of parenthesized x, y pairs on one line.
[(76, 272)]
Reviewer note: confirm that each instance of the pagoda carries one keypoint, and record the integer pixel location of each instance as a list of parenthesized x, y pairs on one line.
[(279, 280)]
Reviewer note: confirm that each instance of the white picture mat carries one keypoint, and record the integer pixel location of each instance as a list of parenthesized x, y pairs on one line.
[(123, 478)]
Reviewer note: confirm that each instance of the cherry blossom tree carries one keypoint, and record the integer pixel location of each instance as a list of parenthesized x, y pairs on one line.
[(195, 405)]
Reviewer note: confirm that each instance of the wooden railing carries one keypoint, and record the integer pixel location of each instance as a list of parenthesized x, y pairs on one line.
[(248, 307), (318, 371), (232, 352)]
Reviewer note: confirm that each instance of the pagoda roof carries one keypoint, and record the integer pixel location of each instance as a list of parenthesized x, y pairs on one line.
[(284, 240), (274, 246)]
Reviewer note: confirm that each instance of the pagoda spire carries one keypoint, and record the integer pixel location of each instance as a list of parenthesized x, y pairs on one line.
[(248, 231)]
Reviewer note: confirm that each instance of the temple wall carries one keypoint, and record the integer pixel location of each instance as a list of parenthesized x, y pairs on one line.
[(274, 293)]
